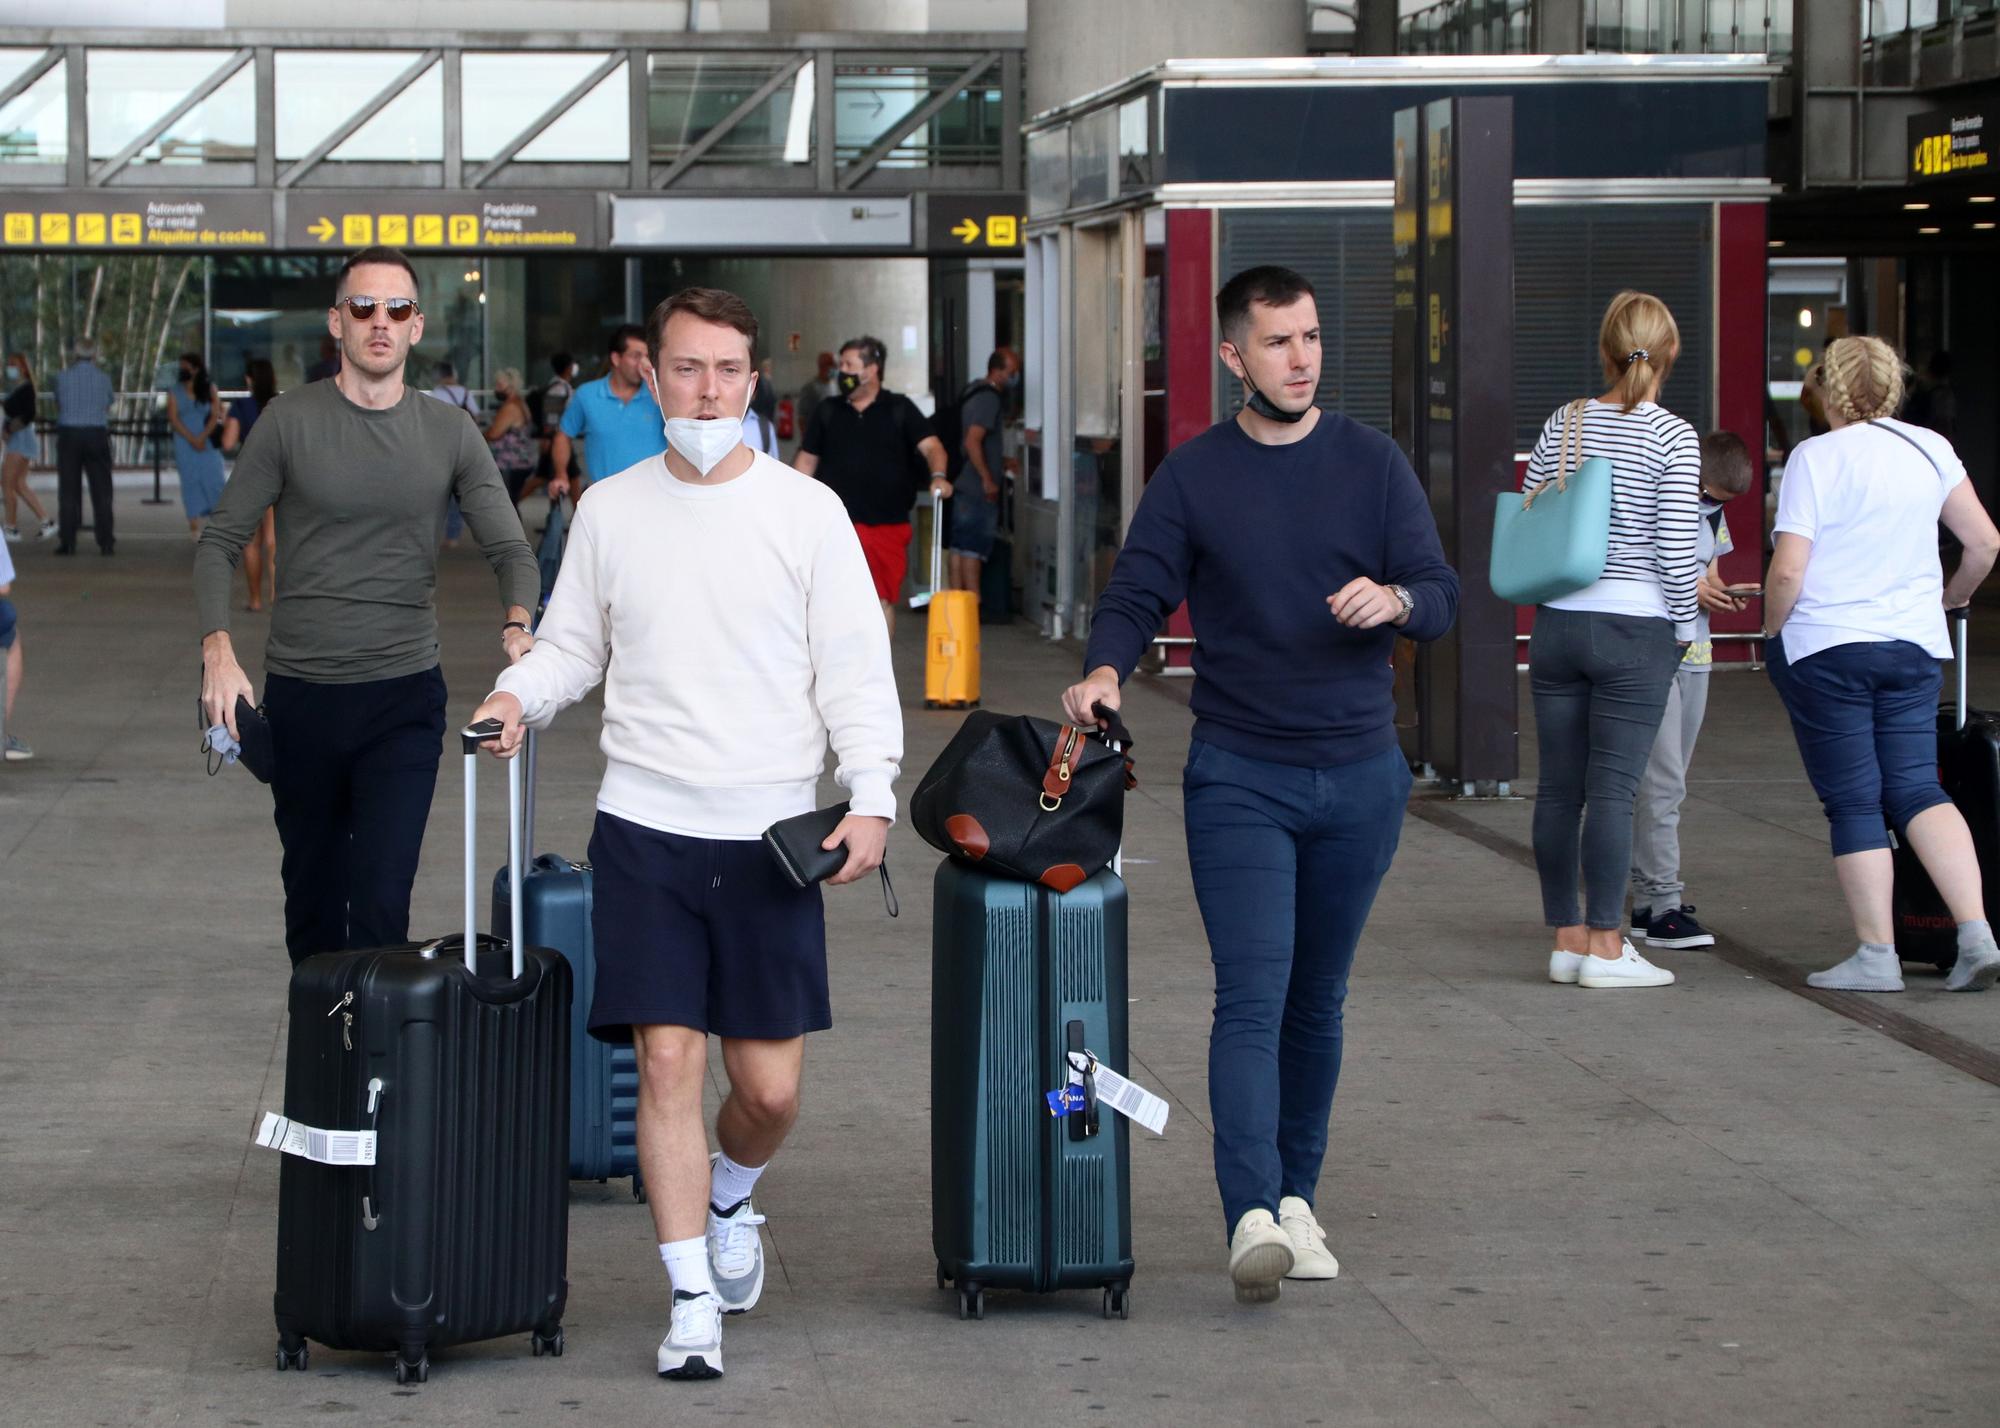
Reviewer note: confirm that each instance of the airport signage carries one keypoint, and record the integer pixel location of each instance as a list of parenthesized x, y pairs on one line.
[(976, 223), (1951, 143), (431, 221), (133, 220)]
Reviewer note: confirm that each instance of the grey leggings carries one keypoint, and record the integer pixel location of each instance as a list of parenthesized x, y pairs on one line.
[(1600, 684)]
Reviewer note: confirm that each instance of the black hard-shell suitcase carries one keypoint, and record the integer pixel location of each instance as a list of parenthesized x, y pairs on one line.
[(460, 1230), (1021, 976), (1969, 769), (557, 894)]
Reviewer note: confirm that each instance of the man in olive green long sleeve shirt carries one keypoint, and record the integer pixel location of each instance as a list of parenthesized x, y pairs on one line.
[(360, 470)]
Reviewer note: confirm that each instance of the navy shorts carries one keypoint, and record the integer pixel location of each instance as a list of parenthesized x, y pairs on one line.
[(973, 520), (705, 933), (8, 623)]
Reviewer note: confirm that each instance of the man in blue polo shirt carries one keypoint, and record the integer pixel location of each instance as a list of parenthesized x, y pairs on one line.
[(615, 418)]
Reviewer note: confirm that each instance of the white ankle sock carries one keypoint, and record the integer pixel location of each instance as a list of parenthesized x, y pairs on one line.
[(731, 1183), (687, 1265)]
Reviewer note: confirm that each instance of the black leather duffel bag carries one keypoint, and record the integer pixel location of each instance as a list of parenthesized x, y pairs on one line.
[(1027, 798)]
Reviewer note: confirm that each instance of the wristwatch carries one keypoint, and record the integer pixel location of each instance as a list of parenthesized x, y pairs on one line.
[(1405, 598), (514, 625)]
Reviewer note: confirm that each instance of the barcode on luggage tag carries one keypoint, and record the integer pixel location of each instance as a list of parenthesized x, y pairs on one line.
[(328, 1147), (1135, 1103)]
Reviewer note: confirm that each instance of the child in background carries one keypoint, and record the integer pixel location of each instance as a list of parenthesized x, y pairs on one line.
[(11, 748), (1659, 913)]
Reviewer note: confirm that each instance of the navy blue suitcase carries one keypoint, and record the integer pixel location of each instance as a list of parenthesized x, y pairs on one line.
[(556, 896), (1020, 977)]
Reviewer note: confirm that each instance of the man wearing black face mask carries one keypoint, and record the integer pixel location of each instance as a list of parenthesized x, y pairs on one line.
[(866, 448), (1302, 543)]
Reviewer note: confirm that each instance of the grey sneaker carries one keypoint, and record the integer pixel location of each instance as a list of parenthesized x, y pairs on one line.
[(18, 752), (1976, 969), (736, 1258), (1865, 971), (692, 1348)]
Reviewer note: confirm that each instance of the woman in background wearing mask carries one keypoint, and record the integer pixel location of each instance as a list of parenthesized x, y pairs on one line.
[(22, 447), (260, 557), (194, 411)]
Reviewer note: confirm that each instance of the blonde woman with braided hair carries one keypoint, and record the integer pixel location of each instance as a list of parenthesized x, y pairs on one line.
[(1855, 604), (1602, 660)]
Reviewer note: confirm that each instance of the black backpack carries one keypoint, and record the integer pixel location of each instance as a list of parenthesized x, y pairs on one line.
[(949, 425)]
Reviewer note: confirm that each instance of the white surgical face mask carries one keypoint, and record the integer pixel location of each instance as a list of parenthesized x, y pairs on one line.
[(13, 374), (703, 444)]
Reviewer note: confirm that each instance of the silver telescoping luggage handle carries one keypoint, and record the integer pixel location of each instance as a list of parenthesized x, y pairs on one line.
[(471, 738), (917, 602), (1961, 627)]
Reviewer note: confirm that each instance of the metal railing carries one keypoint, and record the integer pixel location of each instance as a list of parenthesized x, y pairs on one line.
[(298, 109), (1610, 27), (1916, 45)]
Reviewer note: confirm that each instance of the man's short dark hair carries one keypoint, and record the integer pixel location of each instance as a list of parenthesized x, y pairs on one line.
[(716, 305), (1271, 285), (873, 353), (560, 363), (386, 257), (1000, 359), (623, 333), (1725, 463), (447, 371)]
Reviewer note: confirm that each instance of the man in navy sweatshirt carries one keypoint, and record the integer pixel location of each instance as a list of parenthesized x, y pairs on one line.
[(1303, 546)]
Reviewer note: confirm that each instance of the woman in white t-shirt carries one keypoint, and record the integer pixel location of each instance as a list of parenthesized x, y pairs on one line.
[(1856, 600)]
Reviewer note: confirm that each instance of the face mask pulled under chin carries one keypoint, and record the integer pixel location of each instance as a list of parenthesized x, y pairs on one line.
[(1265, 407), (703, 444)]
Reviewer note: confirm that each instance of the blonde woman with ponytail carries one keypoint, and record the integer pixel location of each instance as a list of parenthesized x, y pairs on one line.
[(1602, 659), (1855, 602)]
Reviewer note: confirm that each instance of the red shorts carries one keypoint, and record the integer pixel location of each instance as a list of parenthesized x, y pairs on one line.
[(888, 552)]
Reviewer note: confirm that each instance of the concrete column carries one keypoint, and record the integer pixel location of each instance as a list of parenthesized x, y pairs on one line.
[(1075, 46), (1558, 27), (1375, 34)]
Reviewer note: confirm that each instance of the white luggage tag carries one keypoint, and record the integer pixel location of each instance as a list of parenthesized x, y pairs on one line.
[(328, 1147), (1129, 1099)]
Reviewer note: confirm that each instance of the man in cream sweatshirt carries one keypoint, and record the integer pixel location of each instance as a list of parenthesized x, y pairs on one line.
[(723, 600)]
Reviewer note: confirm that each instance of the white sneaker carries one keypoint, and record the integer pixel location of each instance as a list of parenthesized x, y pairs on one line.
[(1311, 1259), (48, 529), (13, 536), (736, 1258), (1565, 967), (692, 1348), (1260, 1256), (1628, 969)]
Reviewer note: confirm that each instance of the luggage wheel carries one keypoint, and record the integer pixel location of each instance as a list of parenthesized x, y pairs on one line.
[(1117, 1301), (291, 1356), (418, 1372), (971, 1301), (638, 1189), (944, 1278), (550, 1343)]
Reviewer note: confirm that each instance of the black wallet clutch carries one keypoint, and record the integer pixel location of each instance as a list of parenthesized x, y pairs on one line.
[(795, 843)]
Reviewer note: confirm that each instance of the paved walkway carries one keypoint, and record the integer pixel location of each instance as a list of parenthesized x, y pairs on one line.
[(1717, 1203)]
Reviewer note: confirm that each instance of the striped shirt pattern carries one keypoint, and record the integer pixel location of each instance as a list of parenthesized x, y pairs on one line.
[(83, 395), (1655, 497)]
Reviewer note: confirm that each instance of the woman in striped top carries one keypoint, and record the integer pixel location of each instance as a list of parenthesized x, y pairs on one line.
[(1602, 659)]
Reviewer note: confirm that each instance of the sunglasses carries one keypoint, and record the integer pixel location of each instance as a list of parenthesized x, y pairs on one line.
[(362, 308)]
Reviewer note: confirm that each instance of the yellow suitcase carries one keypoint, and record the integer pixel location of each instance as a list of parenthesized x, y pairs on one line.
[(951, 651), (951, 643)]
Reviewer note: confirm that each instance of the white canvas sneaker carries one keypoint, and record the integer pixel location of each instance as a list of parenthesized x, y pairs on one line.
[(1565, 967), (1628, 969), (1260, 1256), (692, 1348), (1311, 1259)]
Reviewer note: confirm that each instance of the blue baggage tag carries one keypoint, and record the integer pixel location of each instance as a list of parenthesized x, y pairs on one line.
[(1067, 1101)]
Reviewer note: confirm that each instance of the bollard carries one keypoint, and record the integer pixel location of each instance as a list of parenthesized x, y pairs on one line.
[(155, 430)]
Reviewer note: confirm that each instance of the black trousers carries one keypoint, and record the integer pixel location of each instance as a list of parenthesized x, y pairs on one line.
[(83, 451), (356, 766)]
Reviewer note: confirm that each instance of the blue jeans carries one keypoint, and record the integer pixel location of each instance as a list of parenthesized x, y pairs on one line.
[(1865, 716), (1286, 862)]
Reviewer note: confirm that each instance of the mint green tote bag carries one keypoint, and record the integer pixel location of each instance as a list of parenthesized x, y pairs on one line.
[(1552, 542)]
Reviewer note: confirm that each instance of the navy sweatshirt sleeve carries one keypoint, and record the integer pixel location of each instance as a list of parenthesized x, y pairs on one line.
[(1413, 555), (1148, 582), (1255, 538)]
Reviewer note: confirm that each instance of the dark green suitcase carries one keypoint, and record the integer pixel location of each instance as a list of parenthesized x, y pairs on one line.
[(1021, 1199)]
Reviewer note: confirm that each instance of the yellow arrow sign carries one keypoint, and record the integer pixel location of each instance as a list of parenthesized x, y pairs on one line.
[(322, 230), (966, 232)]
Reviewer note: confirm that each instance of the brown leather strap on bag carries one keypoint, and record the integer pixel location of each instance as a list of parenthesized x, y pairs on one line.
[(1572, 441)]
